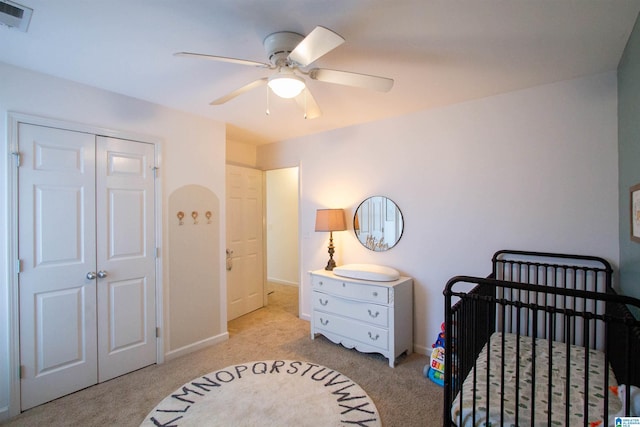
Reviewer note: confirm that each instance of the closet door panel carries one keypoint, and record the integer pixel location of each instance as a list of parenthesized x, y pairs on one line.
[(126, 256), (56, 233)]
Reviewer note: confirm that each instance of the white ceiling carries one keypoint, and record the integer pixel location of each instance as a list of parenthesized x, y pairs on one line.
[(438, 52)]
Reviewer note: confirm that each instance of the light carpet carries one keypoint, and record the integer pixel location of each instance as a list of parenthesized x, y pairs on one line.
[(271, 392)]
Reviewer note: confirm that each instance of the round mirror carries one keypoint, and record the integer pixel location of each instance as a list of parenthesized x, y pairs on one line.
[(378, 223)]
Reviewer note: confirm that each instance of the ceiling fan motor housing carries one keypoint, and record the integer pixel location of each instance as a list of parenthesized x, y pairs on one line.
[(279, 45)]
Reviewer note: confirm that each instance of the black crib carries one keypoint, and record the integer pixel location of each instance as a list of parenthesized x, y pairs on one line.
[(544, 340)]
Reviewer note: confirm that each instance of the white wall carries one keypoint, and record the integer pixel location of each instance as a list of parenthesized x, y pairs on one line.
[(282, 226), (534, 169), (193, 152), (241, 154)]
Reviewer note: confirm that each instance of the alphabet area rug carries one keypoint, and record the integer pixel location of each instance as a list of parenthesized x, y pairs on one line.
[(268, 393)]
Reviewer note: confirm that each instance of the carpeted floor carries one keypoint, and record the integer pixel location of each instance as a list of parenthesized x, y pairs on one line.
[(401, 394)]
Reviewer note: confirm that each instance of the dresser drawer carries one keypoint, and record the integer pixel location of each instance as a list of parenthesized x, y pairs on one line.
[(360, 291), (352, 329), (367, 312)]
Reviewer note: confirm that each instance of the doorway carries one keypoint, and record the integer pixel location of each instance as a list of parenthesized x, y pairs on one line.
[(282, 242)]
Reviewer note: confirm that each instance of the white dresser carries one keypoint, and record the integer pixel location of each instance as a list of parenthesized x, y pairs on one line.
[(373, 317)]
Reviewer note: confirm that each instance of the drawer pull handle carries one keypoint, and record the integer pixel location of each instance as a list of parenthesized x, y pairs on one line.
[(373, 315), (375, 294), (324, 303), (374, 338), (344, 285), (320, 283), (326, 322)]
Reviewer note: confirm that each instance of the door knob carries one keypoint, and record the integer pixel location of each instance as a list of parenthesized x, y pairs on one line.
[(102, 274), (229, 259), (91, 275)]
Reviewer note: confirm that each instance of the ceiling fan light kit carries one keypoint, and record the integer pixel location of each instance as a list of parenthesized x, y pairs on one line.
[(286, 84), (289, 53)]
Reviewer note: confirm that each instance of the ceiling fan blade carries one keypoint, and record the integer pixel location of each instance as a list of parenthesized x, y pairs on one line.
[(319, 42), (347, 78), (224, 59), (240, 91), (308, 104)]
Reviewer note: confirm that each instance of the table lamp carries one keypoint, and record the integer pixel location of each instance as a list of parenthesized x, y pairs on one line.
[(330, 220)]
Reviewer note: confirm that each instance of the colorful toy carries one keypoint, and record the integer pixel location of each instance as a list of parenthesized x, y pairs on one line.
[(435, 370)]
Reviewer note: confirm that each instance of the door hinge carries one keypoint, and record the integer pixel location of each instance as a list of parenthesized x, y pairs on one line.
[(21, 371), (155, 171), (18, 266), (157, 252), (157, 332), (18, 158)]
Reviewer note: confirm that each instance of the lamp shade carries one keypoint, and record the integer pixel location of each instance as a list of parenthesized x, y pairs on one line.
[(330, 220)]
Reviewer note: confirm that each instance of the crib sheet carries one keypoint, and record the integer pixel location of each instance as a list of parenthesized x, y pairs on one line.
[(539, 399)]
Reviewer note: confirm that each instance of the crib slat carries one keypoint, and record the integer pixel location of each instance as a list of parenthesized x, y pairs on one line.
[(518, 367), (567, 387), (586, 375), (488, 406), (502, 355), (550, 372)]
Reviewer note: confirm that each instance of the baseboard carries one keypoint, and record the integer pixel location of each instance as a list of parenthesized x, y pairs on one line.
[(173, 354), (4, 414), (282, 282), (421, 349)]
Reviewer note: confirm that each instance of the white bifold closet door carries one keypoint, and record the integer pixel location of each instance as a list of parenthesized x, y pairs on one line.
[(87, 260)]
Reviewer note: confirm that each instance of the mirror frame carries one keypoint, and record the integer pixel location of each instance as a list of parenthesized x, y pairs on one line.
[(373, 245)]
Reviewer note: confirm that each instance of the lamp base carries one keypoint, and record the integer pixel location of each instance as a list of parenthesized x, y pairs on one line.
[(330, 265)]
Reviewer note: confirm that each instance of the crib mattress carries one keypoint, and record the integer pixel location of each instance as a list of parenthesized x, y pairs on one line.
[(538, 398)]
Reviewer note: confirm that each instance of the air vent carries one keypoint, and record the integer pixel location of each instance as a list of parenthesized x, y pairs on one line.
[(14, 15)]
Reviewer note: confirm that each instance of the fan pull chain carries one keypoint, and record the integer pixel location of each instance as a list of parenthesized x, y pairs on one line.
[(267, 112), (305, 104)]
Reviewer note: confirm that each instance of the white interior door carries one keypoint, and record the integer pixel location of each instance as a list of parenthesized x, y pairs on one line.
[(245, 249), (125, 256), (57, 249), (87, 250)]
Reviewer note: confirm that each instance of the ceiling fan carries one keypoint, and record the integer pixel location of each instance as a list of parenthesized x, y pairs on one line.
[(291, 54)]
